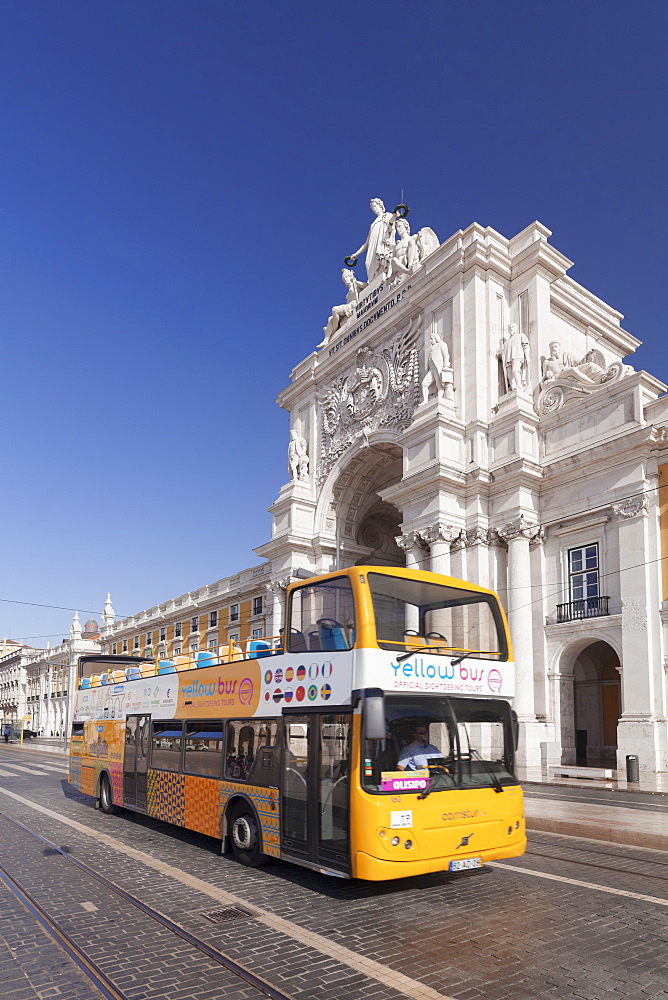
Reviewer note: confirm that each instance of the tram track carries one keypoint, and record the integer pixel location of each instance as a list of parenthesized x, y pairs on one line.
[(617, 870), (85, 962), (90, 969)]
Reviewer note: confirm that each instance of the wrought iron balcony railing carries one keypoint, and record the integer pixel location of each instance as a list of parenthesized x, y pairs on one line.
[(588, 607)]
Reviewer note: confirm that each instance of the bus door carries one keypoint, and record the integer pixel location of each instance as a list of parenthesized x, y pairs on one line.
[(315, 789), (135, 761)]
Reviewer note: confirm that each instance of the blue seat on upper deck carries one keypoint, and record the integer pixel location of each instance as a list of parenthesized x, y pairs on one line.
[(85, 682), (332, 637), (297, 641), (132, 673), (206, 658), (258, 648), (166, 667)]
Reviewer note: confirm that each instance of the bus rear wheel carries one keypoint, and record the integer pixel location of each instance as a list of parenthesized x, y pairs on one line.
[(245, 837), (106, 795)]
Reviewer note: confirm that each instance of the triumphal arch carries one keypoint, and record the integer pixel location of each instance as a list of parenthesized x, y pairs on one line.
[(468, 409)]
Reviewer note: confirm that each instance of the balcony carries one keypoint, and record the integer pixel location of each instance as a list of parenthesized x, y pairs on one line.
[(587, 607)]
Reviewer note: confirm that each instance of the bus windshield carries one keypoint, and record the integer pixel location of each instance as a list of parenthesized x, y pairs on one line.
[(414, 613), (434, 743), (322, 616)]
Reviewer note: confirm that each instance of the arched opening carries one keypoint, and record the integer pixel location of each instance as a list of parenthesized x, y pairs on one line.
[(366, 525), (378, 533), (597, 705)]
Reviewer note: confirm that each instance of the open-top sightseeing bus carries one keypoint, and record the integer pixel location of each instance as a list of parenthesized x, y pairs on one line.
[(373, 740)]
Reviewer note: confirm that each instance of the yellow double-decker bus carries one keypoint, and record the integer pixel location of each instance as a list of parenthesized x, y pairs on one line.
[(373, 739)]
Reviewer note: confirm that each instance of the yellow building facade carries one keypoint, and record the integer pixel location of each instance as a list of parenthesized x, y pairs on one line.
[(229, 614)]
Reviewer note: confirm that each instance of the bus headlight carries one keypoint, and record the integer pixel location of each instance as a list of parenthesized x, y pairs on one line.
[(395, 841)]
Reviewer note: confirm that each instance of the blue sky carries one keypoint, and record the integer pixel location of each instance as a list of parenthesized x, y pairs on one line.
[(180, 183)]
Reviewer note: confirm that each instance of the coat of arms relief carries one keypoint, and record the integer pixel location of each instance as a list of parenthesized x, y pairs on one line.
[(382, 390)]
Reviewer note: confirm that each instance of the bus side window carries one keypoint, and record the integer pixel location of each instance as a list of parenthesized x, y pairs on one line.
[(166, 744), (204, 748), (251, 753)]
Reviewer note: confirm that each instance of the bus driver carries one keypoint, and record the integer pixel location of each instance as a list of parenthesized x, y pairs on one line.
[(417, 754)]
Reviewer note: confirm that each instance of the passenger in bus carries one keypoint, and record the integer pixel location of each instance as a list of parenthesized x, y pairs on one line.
[(231, 765), (417, 754), (244, 760)]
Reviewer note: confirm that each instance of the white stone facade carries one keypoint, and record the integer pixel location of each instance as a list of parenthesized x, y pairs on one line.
[(12, 681), (531, 448), (37, 685), (50, 682)]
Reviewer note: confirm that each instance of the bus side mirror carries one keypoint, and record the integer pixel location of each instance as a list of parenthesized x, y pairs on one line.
[(516, 728), (374, 714)]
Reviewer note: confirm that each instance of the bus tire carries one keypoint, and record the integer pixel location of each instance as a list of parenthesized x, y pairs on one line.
[(106, 795), (245, 836)]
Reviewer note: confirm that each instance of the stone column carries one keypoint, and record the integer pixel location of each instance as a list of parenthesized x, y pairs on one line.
[(458, 560), (276, 621), (413, 546), (438, 538), (519, 534), (477, 542)]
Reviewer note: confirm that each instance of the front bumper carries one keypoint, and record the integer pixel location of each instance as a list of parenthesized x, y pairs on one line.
[(378, 870)]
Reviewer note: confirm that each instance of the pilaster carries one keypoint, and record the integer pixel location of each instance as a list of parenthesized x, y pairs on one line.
[(637, 727)]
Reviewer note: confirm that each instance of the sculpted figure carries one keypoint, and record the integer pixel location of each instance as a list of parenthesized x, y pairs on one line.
[(439, 371), (410, 251), (379, 244), (514, 353), (427, 242), (558, 365), (565, 379), (341, 313), (591, 366), (555, 364), (406, 255), (298, 457)]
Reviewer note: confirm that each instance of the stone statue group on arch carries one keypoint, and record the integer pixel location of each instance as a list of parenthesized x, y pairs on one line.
[(392, 253)]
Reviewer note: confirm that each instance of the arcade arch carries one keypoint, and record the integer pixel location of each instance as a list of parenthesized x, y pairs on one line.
[(590, 704)]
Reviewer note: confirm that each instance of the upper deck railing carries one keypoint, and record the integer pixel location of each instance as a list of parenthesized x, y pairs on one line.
[(196, 659)]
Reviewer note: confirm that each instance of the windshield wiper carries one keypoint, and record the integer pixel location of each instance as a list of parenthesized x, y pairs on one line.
[(498, 787), (421, 649), (431, 786), (458, 659), (432, 781)]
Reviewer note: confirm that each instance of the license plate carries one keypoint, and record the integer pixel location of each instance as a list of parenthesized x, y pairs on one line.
[(464, 864)]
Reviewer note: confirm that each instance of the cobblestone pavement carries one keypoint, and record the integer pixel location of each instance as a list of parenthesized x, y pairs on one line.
[(503, 932), (31, 964)]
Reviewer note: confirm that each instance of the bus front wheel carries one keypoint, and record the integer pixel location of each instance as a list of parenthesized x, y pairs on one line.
[(245, 837), (106, 795)]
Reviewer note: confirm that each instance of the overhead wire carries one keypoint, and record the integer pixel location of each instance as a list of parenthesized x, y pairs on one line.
[(55, 607), (564, 517)]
